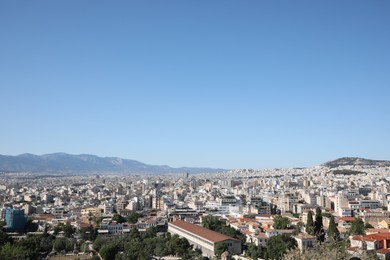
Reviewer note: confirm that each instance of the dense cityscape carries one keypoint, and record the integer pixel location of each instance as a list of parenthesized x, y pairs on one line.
[(195, 130), (338, 211)]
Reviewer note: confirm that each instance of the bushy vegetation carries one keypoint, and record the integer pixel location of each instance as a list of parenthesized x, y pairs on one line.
[(138, 245), (31, 247), (276, 248), (213, 223)]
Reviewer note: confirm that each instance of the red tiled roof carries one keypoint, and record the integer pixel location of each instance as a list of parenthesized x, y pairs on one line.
[(376, 230), (246, 219), (200, 231), (346, 218), (246, 232), (380, 236), (43, 217)]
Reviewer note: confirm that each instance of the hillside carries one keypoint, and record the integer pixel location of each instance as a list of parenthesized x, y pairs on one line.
[(85, 163), (345, 161)]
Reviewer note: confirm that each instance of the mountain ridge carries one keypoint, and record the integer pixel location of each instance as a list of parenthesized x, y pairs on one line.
[(87, 163)]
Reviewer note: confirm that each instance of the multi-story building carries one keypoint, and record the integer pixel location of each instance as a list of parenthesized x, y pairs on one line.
[(15, 219)]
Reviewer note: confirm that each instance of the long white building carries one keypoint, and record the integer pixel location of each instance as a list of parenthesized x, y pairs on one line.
[(203, 238)]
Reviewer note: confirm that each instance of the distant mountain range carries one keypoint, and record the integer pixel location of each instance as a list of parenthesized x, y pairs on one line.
[(346, 161), (85, 163)]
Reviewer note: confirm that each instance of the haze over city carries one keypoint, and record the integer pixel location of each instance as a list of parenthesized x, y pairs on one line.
[(224, 84)]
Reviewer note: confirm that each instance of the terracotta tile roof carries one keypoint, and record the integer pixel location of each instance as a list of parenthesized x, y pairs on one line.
[(370, 231), (46, 217), (348, 219), (262, 235), (246, 219), (380, 236), (200, 231), (246, 232)]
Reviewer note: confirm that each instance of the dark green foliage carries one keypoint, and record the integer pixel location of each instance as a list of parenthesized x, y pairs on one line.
[(118, 218), (310, 223), (296, 215), (150, 232), (278, 245), (108, 251), (333, 232), (5, 238), (99, 242), (213, 223), (144, 245), (256, 252), (219, 248), (67, 228), (133, 217), (318, 225), (10, 252), (63, 244), (326, 214), (281, 222), (30, 226), (88, 233), (178, 245), (29, 248), (357, 227)]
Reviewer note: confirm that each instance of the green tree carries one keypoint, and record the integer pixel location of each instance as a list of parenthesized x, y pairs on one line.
[(58, 228), (150, 232), (10, 252), (212, 222), (133, 217), (108, 251), (63, 244), (5, 238), (134, 249), (256, 252), (357, 227), (68, 229), (99, 242), (31, 226), (161, 248), (118, 218), (134, 233), (281, 222), (318, 225), (219, 249), (46, 243), (310, 223), (333, 232), (278, 245), (88, 233)]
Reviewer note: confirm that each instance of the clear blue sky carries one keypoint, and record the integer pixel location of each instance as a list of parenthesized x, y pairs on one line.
[(232, 84)]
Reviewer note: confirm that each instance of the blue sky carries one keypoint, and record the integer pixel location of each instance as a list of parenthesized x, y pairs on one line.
[(232, 84)]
